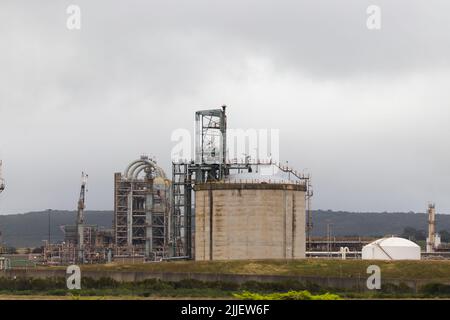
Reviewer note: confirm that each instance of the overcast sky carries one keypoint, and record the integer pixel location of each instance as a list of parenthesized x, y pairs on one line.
[(366, 112)]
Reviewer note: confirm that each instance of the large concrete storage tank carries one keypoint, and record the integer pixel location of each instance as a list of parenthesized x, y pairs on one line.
[(392, 248), (250, 220)]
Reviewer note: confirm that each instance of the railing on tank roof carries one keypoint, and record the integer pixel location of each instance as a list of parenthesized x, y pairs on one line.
[(260, 181), (252, 162)]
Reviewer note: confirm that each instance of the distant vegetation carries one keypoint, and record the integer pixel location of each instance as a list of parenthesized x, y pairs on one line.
[(30, 229), (292, 290), (375, 224), (421, 235)]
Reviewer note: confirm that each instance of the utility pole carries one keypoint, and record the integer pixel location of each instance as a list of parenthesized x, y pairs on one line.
[(329, 238)]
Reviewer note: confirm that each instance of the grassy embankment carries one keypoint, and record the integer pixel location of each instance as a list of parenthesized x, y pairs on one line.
[(437, 272), (412, 270)]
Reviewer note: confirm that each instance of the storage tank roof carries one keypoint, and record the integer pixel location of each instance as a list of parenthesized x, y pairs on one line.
[(393, 242), (266, 173)]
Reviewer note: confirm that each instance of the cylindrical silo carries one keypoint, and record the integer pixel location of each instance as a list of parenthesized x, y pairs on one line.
[(249, 221)]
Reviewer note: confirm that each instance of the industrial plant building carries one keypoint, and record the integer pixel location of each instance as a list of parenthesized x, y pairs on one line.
[(212, 208), (216, 208), (141, 210)]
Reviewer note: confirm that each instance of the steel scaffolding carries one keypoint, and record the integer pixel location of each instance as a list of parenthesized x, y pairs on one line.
[(210, 165), (141, 210)]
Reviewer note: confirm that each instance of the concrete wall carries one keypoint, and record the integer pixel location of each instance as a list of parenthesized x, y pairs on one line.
[(249, 221)]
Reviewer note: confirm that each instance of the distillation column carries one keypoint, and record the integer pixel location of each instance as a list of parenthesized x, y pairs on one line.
[(141, 210), (431, 240), (80, 219)]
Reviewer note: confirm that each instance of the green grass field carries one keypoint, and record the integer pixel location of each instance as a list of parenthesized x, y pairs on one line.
[(423, 269)]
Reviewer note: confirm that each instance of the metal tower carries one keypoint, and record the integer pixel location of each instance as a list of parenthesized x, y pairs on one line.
[(431, 240), (141, 209), (80, 219), (210, 165), (210, 144)]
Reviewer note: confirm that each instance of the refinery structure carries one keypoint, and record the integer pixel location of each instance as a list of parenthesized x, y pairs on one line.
[(228, 209), (141, 210), (216, 206), (211, 208)]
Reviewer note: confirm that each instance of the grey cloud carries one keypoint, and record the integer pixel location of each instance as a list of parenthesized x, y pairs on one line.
[(345, 98)]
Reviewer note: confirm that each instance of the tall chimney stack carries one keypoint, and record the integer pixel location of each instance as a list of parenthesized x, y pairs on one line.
[(431, 240)]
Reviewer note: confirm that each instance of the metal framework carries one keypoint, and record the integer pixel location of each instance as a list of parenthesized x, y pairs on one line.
[(210, 165), (141, 210), (82, 243), (153, 216), (431, 240), (181, 209), (309, 222), (98, 250), (211, 141), (81, 234)]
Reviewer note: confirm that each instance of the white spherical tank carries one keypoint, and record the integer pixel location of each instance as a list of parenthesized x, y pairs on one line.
[(392, 248)]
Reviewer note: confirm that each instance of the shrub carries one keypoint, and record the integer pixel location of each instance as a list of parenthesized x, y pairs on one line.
[(435, 289), (279, 286), (291, 295), (393, 288)]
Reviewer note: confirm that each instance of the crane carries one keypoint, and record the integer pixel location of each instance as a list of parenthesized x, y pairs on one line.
[(80, 217), (2, 181)]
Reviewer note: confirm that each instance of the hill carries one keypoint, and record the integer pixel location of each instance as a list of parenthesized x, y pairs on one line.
[(30, 229), (373, 223)]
